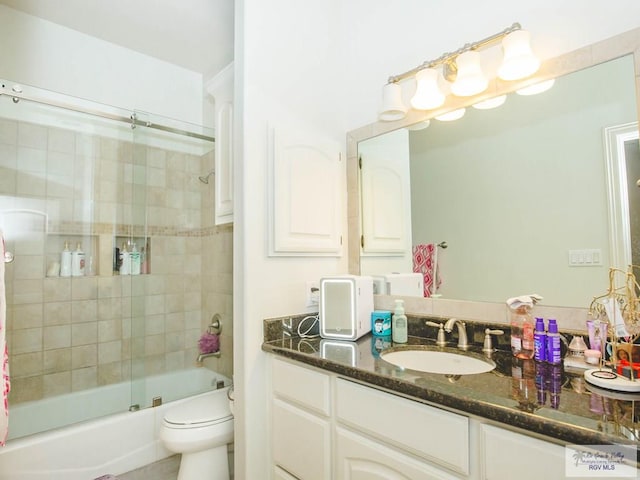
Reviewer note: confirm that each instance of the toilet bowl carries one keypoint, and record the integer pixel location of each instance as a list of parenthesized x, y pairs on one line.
[(200, 429)]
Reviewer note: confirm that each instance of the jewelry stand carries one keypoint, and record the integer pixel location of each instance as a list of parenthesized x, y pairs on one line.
[(617, 315)]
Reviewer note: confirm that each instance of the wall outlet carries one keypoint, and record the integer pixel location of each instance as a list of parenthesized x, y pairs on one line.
[(312, 290)]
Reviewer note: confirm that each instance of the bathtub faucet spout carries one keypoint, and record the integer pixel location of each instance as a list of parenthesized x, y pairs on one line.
[(202, 356)]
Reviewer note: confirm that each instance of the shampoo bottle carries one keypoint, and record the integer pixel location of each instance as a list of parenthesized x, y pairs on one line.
[(65, 261), (399, 323), (77, 261)]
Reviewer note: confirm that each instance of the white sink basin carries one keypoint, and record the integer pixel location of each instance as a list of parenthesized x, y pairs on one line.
[(435, 361)]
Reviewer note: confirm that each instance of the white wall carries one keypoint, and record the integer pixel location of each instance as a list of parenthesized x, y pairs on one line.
[(288, 67), (45, 55), (290, 59)]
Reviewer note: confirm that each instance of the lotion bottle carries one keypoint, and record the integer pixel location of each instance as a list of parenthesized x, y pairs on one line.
[(399, 323), (65, 261)]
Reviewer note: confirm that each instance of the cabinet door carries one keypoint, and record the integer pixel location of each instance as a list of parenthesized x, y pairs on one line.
[(224, 164), (360, 458), (221, 89), (301, 442), (308, 178), (506, 455), (279, 474), (386, 195)]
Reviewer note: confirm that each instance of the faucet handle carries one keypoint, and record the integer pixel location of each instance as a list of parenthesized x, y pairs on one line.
[(488, 344), (441, 340)]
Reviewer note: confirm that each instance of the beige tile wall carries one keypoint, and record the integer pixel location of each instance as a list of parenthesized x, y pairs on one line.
[(69, 334)]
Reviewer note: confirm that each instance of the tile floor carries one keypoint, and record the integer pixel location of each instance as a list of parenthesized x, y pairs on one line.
[(166, 469)]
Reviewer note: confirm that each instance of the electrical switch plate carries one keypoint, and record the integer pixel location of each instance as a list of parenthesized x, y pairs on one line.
[(312, 294), (589, 257)]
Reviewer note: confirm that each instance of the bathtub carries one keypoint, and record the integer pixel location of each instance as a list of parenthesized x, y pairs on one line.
[(116, 442)]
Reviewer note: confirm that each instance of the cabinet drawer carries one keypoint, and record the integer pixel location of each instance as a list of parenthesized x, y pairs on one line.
[(506, 454), (301, 442), (301, 385), (434, 434)]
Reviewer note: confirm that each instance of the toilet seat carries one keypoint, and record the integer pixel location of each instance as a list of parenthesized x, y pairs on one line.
[(197, 412)]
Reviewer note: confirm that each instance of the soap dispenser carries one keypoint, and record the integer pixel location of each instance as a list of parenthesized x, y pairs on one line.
[(399, 323)]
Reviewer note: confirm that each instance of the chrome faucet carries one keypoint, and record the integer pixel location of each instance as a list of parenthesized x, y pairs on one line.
[(462, 333)]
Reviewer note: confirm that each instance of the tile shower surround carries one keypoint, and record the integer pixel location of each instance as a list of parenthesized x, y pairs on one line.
[(70, 334)]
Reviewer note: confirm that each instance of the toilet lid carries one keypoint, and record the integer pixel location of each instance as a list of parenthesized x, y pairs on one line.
[(197, 410)]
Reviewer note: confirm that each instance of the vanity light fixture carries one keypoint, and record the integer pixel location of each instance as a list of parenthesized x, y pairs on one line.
[(490, 103), (451, 116), (460, 73), (470, 79), (393, 108), (536, 88), (419, 125)]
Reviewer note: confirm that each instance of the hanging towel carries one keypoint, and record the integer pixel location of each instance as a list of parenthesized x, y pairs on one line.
[(5, 385), (423, 262)]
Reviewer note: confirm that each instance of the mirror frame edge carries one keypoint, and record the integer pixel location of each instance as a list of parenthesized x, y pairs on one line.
[(626, 43)]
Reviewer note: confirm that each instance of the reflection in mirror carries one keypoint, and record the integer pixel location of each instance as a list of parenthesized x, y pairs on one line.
[(517, 192)]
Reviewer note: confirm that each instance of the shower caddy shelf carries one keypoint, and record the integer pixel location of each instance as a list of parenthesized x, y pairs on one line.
[(99, 250)]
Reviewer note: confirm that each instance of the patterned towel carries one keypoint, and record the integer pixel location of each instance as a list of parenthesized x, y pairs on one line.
[(5, 384), (423, 262)]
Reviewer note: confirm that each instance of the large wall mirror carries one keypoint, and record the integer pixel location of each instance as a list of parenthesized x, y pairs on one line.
[(537, 195)]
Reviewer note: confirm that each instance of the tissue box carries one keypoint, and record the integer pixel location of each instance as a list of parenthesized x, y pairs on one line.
[(402, 284)]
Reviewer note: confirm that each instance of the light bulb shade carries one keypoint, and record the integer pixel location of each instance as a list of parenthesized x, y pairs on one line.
[(393, 107), (470, 79), (490, 103), (519, 61), (451, 116), (419, 126), (536, 88), (428, 94)]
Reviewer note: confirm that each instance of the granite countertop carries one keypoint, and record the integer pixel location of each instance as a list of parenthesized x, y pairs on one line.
[(537, 397)]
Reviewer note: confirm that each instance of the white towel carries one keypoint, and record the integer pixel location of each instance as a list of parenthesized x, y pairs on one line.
[(5, 384)]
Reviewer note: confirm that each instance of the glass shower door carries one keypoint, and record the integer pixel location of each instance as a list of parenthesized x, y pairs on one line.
[(68, 325), (171, 215)]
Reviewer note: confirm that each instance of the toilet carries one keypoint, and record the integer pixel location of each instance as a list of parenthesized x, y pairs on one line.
[(200, 429)]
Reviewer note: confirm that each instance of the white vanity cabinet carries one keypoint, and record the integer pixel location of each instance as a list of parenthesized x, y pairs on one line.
[(327, 427), (301, 427), (324, 427)]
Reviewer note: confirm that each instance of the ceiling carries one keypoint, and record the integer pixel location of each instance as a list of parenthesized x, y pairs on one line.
[(194, 34)]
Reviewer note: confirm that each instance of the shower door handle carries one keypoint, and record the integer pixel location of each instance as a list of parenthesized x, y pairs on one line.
[(8, 257)]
